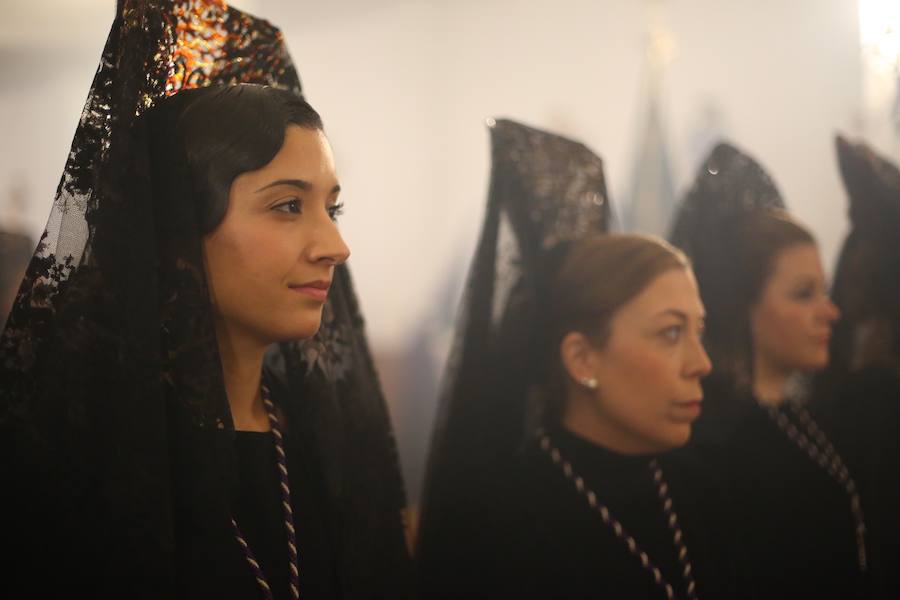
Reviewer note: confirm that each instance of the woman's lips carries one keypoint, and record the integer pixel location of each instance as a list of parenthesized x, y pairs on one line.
[(689, 410), (314, 289), (823, 339)]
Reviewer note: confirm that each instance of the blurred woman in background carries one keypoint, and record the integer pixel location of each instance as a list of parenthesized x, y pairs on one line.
[(800, 514)]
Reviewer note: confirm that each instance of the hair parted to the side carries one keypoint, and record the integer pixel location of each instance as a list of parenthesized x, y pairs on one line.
[(759, 237), (219, 132), (591, 280)]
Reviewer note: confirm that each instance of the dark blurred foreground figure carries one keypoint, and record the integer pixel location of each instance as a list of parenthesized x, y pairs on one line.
[(867, 278), (799, 503), (148, 452), (865, 348), (576, 368)]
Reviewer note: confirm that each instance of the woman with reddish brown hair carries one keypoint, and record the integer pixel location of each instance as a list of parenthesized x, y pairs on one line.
[(594, 503), (798, 505), (551, 472)]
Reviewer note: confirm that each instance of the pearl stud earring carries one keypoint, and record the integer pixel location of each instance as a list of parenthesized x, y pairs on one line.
[(588, 382)]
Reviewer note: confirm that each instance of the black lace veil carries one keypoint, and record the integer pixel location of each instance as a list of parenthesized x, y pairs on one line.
[(728, 186), (867, 277), (108, 359), (544, 190)]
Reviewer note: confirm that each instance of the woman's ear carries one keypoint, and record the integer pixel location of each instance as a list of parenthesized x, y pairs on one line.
[(578, 358)]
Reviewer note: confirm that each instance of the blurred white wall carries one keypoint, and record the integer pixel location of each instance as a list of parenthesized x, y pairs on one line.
[(404, 87)]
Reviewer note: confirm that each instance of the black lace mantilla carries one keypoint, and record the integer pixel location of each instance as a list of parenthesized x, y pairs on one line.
[(155, 49), (545, 190), (867, 278)]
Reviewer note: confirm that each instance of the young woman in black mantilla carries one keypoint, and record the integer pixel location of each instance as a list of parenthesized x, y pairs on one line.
[(187, 390), (797, 502), (576, 371)]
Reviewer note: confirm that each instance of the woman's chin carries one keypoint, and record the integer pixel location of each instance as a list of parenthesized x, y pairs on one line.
[(674, 436), (300, 329), (817, 362)]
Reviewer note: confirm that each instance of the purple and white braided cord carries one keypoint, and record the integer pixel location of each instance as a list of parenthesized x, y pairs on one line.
[(284, 484), (620, 531), (823, 453)]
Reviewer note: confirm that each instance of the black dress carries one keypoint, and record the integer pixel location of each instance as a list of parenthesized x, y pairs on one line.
[(863, 412), (796, 533), (534, 536), (210, 561)]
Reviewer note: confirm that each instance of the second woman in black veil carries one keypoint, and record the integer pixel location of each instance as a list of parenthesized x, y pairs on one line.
[(543, 477)]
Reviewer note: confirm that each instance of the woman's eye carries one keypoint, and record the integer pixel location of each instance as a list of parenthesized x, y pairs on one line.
[(290, 206), (671, 334), (335, 210), (804, 293)]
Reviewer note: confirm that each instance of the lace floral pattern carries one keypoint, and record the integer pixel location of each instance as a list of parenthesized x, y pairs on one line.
[(545, 189)]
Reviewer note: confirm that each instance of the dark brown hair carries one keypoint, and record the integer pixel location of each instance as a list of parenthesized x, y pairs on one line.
[(219, 132)]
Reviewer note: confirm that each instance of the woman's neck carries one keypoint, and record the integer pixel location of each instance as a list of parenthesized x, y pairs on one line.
[(770, 383), (242, 359)]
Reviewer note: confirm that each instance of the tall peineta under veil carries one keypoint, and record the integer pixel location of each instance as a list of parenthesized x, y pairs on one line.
[(545, 190), (729, 185)]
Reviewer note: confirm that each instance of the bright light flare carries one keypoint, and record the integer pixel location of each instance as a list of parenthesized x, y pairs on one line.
[(879, 33)]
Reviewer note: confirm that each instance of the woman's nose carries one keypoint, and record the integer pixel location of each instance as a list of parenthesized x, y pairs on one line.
[(329, 246)]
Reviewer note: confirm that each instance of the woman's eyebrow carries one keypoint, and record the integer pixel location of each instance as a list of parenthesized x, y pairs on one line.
[(673, 312), (298, 183)]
